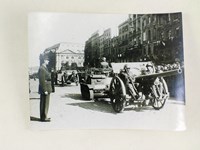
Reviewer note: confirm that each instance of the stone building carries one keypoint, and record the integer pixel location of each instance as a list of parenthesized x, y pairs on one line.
[(96, 47), (106, 43), (157, 36), (114, 48), (123, 39), (92, 50), (65, 55)]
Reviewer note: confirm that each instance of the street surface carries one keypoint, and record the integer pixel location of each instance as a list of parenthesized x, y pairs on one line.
[(68, 111)]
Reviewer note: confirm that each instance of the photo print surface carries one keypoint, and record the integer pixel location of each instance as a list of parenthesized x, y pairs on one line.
[(106, 71)]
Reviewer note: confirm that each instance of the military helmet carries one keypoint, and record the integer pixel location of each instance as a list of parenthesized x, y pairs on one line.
[(104, 58)]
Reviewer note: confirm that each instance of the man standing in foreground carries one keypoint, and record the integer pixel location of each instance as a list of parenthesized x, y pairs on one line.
[(44, 90)]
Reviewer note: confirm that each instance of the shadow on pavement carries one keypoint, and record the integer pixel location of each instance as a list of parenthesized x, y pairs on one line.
[(142, 109), (65, 85), (72, 96), (34, 118), (34, 98), (101, 106), (176, 102)]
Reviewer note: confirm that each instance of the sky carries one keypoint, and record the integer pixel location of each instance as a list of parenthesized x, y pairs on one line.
[(48, 29)]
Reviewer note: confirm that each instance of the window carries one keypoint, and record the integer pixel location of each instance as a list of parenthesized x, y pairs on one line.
[(138, 22), (149, 19), (144, 36), (169, 17), (144, 23), (149, 35), (154, 33), (177, 31), (155, 18)]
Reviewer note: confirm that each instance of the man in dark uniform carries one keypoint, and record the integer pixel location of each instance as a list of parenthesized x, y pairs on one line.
[(128, 79), (44, 90)]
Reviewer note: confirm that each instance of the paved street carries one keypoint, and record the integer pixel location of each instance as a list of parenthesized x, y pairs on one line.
[(68, 110)]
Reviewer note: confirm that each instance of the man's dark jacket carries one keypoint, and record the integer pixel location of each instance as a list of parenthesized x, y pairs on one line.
[(44, 80)]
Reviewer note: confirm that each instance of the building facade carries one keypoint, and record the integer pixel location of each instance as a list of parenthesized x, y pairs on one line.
[(123, 39), (157, 36), (142, 37), (92, 50), (65, 55), (106, 43), (96, 47)]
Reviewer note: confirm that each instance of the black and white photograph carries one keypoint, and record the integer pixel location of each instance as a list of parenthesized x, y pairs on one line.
[(106, 71)]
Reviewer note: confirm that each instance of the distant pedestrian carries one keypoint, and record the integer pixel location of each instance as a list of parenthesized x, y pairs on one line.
[(56, 78), (44, 90), (52, 80)]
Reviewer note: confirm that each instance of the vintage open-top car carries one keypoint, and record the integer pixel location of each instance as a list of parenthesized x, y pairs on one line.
[(143, 85), (96, 83), (67, 77)]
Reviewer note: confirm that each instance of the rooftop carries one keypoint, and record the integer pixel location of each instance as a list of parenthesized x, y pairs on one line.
[(64, 46)]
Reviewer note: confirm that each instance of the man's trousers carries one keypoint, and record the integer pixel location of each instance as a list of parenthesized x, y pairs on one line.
[(44, 106)]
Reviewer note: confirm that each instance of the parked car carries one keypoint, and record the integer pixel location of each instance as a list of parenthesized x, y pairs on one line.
[(67, 77)]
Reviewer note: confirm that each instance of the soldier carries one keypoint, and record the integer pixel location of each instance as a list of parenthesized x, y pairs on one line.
[(44, 90), (128, 79), (104, 64), (74, 77)]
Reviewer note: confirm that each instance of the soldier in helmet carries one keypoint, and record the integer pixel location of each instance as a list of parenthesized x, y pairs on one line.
[(103, 63), (128, 79)]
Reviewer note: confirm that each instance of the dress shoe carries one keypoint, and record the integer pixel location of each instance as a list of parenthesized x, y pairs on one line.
[(46, 120)]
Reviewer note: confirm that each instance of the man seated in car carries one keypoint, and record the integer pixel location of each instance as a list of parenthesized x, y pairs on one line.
[(104, 64), (73, 78), (106, 69)]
